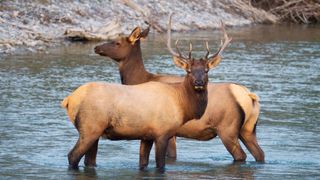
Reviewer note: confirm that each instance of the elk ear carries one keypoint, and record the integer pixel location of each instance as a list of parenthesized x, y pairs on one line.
[(213, 61), (144, 33), (135, 35), (180, 63)]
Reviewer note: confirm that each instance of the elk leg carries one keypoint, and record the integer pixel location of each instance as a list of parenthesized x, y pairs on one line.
[(161, 147), (145, 147), (82, 145), (232, 144), (250, 141), (88, 135), (91, 154), (172, 148)]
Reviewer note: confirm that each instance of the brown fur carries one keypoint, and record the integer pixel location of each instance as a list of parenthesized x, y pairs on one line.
[(222, 115)]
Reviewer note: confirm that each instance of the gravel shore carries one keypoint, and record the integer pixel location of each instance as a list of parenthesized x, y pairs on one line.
[(35, 25)]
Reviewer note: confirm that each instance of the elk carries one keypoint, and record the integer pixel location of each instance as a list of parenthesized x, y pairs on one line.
[(151, 112), (232, 111)]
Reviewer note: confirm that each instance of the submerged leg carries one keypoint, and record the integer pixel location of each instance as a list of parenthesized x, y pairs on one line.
[(145, 147), (172, 148), (91, 154), (250, 141), (89, 134), (161, 147), (81, 147), (231, 142)]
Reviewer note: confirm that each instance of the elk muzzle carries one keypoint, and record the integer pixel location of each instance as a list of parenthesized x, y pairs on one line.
[(199, 85), (100, 50)]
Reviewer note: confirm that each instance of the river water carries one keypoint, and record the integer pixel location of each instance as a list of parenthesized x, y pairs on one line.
[(279, 63)]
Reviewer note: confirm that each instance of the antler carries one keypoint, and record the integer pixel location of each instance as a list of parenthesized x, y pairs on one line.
[(223, 45), (169, 38), (208, 51), (169, 42), (176, 44), (190, 49)]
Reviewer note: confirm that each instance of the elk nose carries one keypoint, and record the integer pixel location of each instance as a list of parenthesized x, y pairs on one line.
[(96, 49), (199, 82)]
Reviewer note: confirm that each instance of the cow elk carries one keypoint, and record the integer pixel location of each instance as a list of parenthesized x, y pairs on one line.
[(151, 112), (232, 111)]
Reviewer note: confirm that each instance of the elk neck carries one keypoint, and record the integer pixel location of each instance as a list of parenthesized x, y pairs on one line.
[(132, 70), (193, 102)]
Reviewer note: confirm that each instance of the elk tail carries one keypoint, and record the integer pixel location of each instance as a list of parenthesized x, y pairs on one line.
[(254, 97), (71, 108), (64, 103)]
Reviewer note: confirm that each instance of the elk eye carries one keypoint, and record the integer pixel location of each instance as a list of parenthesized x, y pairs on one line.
[(118, 44), (188, 70)]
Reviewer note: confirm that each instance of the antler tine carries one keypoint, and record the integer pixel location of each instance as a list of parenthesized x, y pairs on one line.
[(224, 43), (169, 38), (190, 49), (177, 41), (207, 47)]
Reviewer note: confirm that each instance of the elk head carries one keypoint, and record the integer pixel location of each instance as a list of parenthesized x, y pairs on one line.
[(197, 69), (122, 47)]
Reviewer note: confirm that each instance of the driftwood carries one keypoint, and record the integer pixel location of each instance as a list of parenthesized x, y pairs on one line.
[(297, 11), (247, 10), (106, 32)]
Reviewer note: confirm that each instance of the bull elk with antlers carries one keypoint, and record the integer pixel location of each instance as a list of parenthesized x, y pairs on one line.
[(232, 110), (151, 112)]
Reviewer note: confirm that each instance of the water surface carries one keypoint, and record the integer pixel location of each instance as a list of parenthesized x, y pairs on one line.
[(279, 63)]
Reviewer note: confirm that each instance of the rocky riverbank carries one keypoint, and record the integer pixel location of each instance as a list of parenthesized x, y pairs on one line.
[(36, 25)]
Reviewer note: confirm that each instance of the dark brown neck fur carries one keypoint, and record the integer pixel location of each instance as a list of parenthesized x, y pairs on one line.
[(132, 69), (193, 102)]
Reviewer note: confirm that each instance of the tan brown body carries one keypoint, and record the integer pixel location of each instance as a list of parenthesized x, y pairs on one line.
[(223, 114), (151, 112), (232, 111), (127, 112)]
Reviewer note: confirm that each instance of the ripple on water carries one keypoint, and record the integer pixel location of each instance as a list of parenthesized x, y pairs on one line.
[(36, 135)]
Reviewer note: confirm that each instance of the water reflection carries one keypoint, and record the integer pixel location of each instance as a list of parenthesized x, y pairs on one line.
[(86, 173), (190, 171)]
